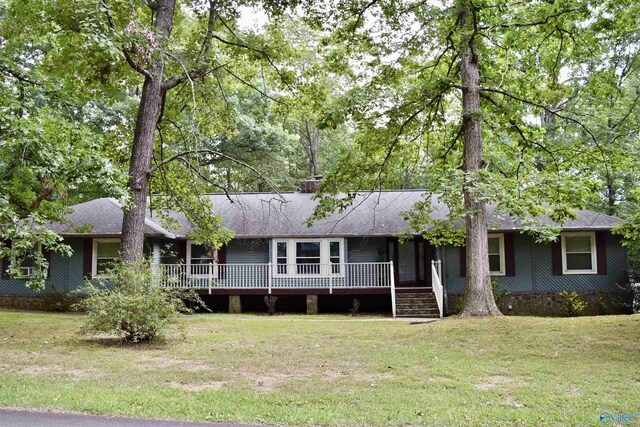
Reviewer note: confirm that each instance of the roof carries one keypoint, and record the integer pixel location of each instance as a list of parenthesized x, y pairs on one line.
[(268, 215), (102, 217)]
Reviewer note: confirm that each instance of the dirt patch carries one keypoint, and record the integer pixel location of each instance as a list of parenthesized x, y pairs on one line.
[(155, 363), (60, 371), (214, 385), (268, 381), (493, 382)]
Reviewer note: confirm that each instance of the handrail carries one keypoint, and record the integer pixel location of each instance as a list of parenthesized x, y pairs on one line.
[(269, 276), (436, 283)]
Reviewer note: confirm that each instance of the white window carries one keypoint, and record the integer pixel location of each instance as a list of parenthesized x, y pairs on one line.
[(200, 259), (308, 257), (579, 253), (496, 255), (26, 264), (105, 253)]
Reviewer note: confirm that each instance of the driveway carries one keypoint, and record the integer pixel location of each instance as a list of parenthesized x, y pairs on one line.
[(20, 418)]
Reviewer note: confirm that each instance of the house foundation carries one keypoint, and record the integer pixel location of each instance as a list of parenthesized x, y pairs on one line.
[(312, 304), (235, 304)]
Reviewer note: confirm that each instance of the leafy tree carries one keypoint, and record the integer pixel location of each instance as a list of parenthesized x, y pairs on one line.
[(457, 89)]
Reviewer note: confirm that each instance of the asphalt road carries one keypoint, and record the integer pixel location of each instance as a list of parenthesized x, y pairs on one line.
[(19, 418)]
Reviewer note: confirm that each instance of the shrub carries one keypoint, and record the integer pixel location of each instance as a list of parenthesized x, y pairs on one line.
[(355, 307), (627, 293), (603, 308), (130, 307), (270, 301), (499, 292), (572, 304)]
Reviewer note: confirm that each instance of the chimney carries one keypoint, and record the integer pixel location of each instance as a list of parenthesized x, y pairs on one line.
[(310, 185)]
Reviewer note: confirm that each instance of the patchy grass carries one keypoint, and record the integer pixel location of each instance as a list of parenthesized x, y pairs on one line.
[(332, 370)]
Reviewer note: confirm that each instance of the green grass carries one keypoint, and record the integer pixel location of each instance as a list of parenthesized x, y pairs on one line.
[(332, 370)]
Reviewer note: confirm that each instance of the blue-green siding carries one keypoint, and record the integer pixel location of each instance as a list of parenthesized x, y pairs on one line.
[(65, 273), (534, 273), (366, 249)]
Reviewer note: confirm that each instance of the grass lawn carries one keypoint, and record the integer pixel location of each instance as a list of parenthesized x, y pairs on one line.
[(332, 370)]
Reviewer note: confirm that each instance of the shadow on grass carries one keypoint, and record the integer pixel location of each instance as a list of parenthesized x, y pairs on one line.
[(110, 341)]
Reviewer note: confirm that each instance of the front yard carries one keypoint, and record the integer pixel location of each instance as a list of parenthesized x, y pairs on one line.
[(332, 370)]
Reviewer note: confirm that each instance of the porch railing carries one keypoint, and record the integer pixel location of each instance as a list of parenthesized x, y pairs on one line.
[(436, 281), (274, 276)]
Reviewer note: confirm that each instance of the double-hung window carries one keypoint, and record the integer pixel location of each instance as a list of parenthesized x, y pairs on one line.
[(308, 257), (496, 255), (579, 253), (105, 254), (201, 258)]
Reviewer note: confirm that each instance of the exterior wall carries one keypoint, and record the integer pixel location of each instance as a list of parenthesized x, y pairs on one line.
[(65, 273), (248, 251), (366, 249), (533, 271)]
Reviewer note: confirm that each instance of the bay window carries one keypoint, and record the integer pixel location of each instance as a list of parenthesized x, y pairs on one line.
[(317, 257)]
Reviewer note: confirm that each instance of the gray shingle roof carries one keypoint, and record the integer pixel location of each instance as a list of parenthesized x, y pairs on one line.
[(103, 217), (272, 215)]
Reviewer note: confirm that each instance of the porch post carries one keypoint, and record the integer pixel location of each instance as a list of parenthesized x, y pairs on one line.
[(210, 277), (269, 276), (393, 288)]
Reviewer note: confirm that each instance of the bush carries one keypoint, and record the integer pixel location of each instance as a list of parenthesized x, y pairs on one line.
[(130, 307), (270, 301), (603, 308), (499, 292), (355, 307), (572, 304), (627, 293)]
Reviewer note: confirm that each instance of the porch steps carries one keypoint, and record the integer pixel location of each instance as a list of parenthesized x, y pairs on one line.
[(416, 304)]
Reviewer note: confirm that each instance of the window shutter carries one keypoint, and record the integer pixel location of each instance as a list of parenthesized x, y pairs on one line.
[(556, 257), (5, 262), (88, 258), (181, 251), (601, 251), (222, 259), (509, 255), (463, 261)]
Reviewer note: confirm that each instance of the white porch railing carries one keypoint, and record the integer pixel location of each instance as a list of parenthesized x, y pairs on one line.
[(274, 276), (436, 283)]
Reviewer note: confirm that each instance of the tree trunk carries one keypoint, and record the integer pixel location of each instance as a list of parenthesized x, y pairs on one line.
[(310, 140), (132, 244), (478, 299)]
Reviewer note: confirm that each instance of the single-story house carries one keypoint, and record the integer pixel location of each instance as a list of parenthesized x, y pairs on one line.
[(354, 254)]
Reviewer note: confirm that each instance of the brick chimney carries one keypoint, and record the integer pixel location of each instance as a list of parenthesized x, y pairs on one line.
[(310, 185)]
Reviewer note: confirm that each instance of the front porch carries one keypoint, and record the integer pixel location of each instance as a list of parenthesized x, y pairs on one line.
[(292, 279)]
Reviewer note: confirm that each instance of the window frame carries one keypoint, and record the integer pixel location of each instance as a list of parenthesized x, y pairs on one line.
[(325, 257), (13, 260), (94, 256), (501, 254), (214, 273), (594, 252)]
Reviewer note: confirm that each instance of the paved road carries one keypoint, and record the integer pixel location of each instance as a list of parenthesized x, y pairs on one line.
[(20, 418)]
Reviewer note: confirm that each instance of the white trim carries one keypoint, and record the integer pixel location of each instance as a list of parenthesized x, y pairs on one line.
[(188, 260), (594, 254), (325, 257), (94, 257), (501, 254), (30, 269)]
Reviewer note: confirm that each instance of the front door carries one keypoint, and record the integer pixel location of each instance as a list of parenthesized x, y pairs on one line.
[(407, 263), (412, 262)]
